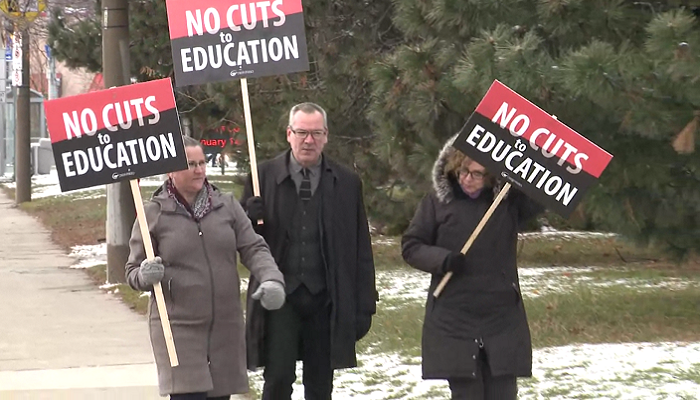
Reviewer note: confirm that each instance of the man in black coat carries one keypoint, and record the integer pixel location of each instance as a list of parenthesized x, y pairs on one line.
[(311, 213)]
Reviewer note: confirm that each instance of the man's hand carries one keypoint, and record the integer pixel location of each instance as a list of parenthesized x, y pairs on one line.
[(255, 208)]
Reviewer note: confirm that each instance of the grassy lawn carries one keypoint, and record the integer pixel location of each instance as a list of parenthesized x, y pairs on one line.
[(78, 218), (625, 298)]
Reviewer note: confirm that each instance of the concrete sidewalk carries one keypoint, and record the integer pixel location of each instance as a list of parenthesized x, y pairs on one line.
[(60, 336)]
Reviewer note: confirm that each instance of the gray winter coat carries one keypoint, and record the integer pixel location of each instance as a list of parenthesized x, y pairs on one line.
[(202, 292), (483, 305)]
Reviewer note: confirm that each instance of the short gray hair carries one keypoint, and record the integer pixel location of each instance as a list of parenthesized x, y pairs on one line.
[(308, 108), (191, 142)]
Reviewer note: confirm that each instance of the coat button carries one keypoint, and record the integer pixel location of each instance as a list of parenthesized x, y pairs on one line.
[(474, 357), (473, 373)]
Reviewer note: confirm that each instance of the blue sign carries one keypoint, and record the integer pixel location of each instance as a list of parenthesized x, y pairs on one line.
[(8, 49)]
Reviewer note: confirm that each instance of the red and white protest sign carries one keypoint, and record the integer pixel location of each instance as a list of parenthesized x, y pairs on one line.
[(532, 150), (116, 134), (219, 40)]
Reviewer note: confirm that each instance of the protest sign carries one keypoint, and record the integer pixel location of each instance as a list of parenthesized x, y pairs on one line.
[(529, 148), (532, 150), (219, 40), (116, 134)]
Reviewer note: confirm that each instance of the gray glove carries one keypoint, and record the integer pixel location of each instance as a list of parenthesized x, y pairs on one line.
[(271, 295), (151, 271)]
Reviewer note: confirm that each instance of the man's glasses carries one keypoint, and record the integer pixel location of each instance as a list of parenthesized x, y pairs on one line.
[(476, 175), (302, 133), (195, 164)]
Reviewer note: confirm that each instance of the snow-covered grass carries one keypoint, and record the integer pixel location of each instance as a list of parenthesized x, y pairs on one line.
[(633, 371), (644, 370), (664, 370)]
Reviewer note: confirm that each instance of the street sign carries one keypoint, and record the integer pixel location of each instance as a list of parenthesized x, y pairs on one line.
[(17, 59), (8, 48), (28, 10)]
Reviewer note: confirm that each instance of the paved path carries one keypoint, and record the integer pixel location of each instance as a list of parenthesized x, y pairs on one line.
[(60, 336)]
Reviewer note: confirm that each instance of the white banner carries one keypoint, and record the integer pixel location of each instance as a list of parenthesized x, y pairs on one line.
[(17, 59)]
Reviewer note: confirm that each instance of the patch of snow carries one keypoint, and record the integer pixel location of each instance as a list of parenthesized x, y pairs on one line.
[(605, 371), (566, 235), (89, 256)]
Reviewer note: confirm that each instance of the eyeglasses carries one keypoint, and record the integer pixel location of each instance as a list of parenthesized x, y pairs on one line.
[(302, 133), (476, 175), (195, 164)]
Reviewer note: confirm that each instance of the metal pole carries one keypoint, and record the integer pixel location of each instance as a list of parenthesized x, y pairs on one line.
[(23, 174), (121, 212), (3, 107)]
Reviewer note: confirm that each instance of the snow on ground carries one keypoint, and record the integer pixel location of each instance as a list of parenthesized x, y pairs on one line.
[(407, 284), (587, 371), (600, 371), (615, 371), (591, 371), (89, 256)]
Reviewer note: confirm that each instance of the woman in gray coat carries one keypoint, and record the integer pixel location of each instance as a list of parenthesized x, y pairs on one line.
[(197, 233), (475, 334)]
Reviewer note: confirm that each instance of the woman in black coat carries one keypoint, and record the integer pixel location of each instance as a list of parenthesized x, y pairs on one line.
[(475, 334)]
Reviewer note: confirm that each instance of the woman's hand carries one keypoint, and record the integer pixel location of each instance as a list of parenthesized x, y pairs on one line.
[(271, 295), (151, 271)]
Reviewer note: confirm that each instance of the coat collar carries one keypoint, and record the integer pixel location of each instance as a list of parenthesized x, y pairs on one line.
[(280, 166)]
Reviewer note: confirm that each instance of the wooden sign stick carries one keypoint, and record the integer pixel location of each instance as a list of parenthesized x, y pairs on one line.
[(476, 232), (251, 139), (157, 288)]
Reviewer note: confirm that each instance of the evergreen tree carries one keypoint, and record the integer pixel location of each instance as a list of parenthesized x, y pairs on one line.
[(343, 38), (624, 74)]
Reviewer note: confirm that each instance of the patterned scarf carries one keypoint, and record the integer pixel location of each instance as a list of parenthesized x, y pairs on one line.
[(202, 203)]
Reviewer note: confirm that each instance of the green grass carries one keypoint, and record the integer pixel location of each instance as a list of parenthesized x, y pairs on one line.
[(396, 328), (589, 310), (584, 252), (614, 314), (692, 374)]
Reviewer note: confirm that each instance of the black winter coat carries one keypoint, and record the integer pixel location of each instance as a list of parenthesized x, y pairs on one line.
[(483, 305), (347, 252)]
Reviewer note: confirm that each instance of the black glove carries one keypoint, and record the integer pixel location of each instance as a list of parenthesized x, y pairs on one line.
[(255, 208), (455, 263), (362, 324)]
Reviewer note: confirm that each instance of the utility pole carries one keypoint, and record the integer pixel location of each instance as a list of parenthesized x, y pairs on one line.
[(116, 71), (23, 164)]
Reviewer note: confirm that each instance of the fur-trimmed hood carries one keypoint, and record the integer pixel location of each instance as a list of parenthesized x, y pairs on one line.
[(444, 183)]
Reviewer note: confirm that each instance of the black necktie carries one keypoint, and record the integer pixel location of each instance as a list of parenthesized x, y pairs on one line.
[(305, 188)]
